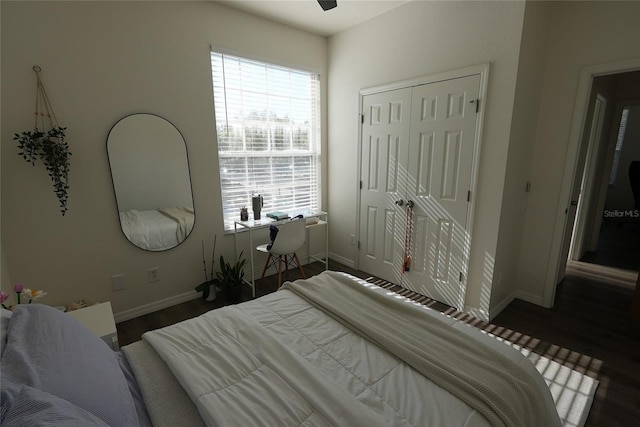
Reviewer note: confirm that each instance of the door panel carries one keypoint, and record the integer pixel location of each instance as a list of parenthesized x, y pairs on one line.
[(385, 139), (418, 144), (443, 127)]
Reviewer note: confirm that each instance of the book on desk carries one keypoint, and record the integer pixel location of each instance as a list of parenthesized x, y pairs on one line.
[(278, 215)]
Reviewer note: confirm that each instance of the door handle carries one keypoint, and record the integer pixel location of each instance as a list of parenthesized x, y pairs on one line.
[(399, 202), (574, 203)]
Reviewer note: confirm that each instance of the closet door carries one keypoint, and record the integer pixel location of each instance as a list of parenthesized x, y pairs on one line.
[(418, 145), (384, 159), (443, 137)]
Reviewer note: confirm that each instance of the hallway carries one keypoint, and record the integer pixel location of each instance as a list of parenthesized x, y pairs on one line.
[(618, 245)]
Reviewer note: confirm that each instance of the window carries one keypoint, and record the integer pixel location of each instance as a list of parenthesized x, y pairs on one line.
[(268, 127), (619, 141)]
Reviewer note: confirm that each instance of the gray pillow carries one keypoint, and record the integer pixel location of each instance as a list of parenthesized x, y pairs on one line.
[(36, 408), (50, 351)]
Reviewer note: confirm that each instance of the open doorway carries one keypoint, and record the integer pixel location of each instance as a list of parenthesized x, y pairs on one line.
[(605, 238), (616, 242)]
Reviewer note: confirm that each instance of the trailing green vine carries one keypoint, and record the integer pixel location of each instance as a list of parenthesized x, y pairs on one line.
[(49, 146), (53, 151)]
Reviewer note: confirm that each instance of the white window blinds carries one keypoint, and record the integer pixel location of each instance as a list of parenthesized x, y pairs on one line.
[(620, 139), (268, 127)]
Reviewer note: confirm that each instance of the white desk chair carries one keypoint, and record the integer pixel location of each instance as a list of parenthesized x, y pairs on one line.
[(290, 238)]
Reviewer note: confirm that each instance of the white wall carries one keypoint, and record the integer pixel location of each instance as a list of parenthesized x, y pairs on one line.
[(419, 39), (102, 61), (581, 34), (533, 51)]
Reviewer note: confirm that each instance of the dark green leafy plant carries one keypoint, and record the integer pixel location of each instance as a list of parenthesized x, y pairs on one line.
[(53, 150), (231, 275)]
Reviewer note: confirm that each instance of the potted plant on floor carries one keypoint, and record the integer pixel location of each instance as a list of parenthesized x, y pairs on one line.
[(231, 277)]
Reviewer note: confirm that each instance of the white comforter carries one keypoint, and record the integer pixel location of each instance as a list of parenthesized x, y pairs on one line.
[(278, 361)]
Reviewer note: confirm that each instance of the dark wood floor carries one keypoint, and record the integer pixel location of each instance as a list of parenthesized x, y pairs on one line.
[(618, 245), (590, 318)]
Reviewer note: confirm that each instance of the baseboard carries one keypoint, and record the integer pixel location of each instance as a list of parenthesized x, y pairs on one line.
[(305, 259), (342, 260), (257, 269), (526, 296), (494, 311), (132, 313)]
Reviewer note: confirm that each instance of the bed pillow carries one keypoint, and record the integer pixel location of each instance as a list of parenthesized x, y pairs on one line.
[(32, 407), (4, 326), (51, 351)]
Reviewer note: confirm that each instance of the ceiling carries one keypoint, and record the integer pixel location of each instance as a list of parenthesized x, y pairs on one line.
[(309, 16)]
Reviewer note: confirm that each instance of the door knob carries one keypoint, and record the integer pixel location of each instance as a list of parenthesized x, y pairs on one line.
[(399, 202)]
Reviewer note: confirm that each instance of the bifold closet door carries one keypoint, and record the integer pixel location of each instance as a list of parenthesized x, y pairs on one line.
[(442, 144), (418, 145), (384, 157)]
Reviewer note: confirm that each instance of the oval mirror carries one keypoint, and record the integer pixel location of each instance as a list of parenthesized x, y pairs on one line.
[(150, 173)]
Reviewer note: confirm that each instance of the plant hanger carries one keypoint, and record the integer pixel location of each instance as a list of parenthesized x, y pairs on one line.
[(48, 143), (43, 104)]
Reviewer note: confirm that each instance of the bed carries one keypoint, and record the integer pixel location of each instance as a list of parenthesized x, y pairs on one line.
[(157, 229), (329, 350)]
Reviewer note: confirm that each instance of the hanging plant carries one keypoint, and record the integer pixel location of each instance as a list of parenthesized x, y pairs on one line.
[(48, 145)]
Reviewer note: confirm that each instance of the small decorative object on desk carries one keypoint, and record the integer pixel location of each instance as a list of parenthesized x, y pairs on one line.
[(77, 305), (22, 294), (278, 215), (244, 214), (257, 202)]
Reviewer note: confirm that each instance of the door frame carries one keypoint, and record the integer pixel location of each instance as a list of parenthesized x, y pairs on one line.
[(578, 122), (483, 71), (579, 238)]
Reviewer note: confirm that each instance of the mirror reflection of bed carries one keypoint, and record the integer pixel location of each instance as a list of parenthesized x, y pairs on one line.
[(151, 181), (157, 229)]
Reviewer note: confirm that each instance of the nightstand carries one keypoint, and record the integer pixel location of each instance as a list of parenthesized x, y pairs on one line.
[(98, 319)]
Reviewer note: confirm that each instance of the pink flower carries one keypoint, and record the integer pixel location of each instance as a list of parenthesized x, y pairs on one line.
[(3, 297), (18, 288)]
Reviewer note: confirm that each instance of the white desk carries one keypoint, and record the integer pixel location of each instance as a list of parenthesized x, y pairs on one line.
[(322, 218)]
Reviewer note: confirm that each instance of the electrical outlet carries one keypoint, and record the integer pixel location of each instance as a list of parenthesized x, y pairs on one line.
[(152, 274), (117, 282), (352, 239)]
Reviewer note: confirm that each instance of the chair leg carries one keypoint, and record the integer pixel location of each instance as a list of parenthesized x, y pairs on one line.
[(266, 265), (299, 266), (279, 271), (286, 266)]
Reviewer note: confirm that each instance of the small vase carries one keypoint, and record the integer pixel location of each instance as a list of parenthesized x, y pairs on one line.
[(212, 292)]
